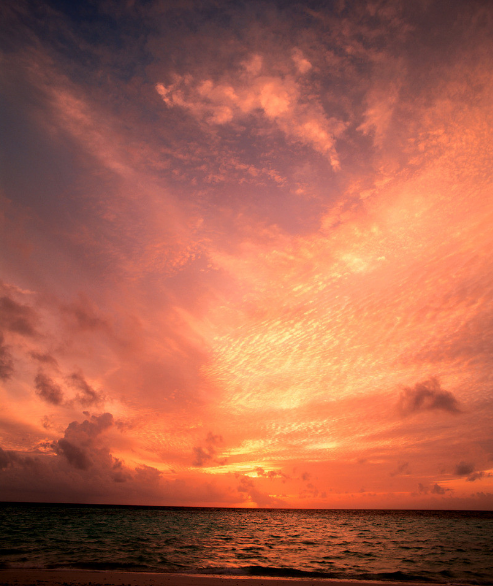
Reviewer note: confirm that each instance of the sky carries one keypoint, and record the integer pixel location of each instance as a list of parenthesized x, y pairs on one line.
[(245, 253)]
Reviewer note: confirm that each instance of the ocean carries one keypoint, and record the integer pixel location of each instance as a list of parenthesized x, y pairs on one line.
[(453, 547)]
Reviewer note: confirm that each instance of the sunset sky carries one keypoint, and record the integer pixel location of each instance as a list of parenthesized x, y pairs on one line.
[(246, 253)]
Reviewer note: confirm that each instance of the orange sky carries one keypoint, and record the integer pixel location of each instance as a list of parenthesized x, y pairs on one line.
[(245, 253)]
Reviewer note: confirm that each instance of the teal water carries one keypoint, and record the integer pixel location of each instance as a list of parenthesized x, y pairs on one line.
[(428, 546)]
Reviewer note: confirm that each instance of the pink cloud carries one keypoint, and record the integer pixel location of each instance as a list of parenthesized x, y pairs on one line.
[(253, 91)]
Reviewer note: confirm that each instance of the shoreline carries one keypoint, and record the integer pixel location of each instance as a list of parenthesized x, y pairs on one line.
[(80, 577)]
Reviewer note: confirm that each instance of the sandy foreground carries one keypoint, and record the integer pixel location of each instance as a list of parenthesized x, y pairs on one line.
[(109, 578)]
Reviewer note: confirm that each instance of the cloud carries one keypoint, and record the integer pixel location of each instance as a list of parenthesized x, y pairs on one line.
[(44, 357), (6, 361), (76, 455), (7, 458), (261, 499), (52, 393), (427, 396), (78, 444), (77, 467), (93, 475), (311, 491), (87, 396), (89, 428), (256, 89), (47, 389), (271, 474), (435, 489), (18, 318), (85, 315), (207, 454), (119, 474), (401, 469), (475, 476), (463, 469), (202, 456), (147, 475), (467, 469)]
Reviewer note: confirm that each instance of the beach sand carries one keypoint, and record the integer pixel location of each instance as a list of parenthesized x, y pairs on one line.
[(18, 577)]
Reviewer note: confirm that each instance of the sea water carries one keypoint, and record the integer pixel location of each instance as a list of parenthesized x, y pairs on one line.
[(433, 546)]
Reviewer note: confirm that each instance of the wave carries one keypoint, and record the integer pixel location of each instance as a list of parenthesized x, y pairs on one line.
[(444, 577), (275, 572)]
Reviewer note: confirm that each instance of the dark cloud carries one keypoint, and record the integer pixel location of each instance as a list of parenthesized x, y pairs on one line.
[(85, 315), (7, 458), (435, 489), (87, 395), (80, 468), (246, 483), (89, 428), (6, 362), (201, 456), (213, 440), (401, 469), (427, 396), (311, 491), (78, 445), (52, 393), (475, 476), (247, 486), (271, 474), (46, 422), (207, 454), (467, 469), (10, 458), (119, 473), (15, 317), (45, 358), (463, 469), (76, 455), (47, 389), (147, 475)]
